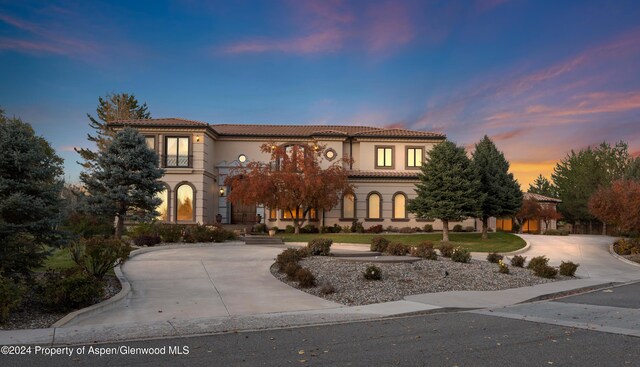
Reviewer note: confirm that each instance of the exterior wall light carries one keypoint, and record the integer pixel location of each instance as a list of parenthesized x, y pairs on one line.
[(197, 138), (222, 191)]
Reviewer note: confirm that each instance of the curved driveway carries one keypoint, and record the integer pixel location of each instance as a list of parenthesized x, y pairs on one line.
[(222, 280), (590, 251)]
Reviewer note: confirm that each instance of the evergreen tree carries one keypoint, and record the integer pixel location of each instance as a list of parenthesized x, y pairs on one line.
[(124, 181), (448, 188), (112, 107), (502, 195), (542, 186), (30, 184), (633, 171)]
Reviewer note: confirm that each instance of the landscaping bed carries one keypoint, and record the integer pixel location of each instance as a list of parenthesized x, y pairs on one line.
[(400, 280), (628, 248), (33, 316)]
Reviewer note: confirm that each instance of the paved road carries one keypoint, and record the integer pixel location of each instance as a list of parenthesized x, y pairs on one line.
[(229, 279), (591, 252)]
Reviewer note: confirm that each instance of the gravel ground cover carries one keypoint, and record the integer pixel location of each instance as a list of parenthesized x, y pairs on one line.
[(400, 280), (33, 317)]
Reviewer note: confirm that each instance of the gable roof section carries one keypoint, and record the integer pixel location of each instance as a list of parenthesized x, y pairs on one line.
[(257, 130)]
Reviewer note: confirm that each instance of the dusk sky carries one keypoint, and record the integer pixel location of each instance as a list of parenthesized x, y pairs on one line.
[(539, 77)]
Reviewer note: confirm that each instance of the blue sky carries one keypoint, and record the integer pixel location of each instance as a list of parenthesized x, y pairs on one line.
[(539, 77)]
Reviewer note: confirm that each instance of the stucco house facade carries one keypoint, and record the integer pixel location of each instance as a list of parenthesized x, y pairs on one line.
[(198, 156)]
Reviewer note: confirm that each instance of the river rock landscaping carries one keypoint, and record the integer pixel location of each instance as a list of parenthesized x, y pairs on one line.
[(343, 282)]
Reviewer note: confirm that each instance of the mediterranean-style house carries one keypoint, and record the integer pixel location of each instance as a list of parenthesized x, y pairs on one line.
[(198, 156)]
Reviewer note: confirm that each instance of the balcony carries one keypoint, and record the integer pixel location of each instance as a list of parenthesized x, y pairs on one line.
[(179, 161)]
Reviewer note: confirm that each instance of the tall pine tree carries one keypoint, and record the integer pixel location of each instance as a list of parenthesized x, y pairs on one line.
[(30, 185), (501, 192), (541, 185), (448, 188), (124, 181), (112, 107)]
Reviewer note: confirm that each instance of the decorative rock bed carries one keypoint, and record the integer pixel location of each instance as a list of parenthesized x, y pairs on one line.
[(404, 279)]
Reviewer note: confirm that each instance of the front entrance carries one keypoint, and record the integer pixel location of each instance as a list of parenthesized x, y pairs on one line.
[(243, 214)]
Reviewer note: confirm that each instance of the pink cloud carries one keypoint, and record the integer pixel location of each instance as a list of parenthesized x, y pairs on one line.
[(326, 41), (388, 25)]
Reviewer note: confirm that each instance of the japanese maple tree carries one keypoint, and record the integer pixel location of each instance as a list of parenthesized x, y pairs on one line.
[(294, 181), (530, 209)]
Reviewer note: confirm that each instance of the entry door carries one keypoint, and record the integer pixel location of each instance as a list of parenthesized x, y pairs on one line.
[(243, 214)]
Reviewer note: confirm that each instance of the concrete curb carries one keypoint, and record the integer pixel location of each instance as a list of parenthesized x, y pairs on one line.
[(526, 248), (613, 253), (83, 313)]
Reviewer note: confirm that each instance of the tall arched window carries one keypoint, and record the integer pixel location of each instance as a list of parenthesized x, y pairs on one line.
[(374, 206), (348, 206), (185, 203), (163, 208), (399, 206)]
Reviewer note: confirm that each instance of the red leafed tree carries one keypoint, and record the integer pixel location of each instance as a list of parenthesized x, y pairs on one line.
[(294, 181), (547, 214), (618, 204), (530, 209)]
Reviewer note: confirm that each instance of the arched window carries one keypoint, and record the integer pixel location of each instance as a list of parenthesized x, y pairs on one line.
[(399, 206), (185, 203), (348, 206), (374, 206), (163, 208)]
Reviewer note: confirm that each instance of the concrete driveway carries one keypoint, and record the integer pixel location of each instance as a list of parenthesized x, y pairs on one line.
[(590, 251), (222, 280)]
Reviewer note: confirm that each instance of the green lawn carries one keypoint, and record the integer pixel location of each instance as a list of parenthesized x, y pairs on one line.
[(59, 259), (498, 242)]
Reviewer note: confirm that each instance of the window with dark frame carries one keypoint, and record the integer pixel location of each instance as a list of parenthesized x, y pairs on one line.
[(177, 152), (384, 157), (415, 157)]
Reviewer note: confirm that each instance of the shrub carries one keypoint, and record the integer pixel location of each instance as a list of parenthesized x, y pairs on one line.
[(99, 255), (446, 249), (375, 229), (417, 229), (10, 297), (69, 289), (291, 269), (556, 232), (518, 261), (428, 228), (146, 240), (469, 229), (320, 246), (260, 228), (337, 228), (392, 229), (356, 227), (424, 250), (397, 249), (372, 273), (346, 229), (309, 228), (515, 228), (290, 255), (327, 288), (545, 271), (220, 235), (88, 225), (328, 229), (289, 229), (379, 244), (627, 246), (494, 257), (503, 268), (461, 255), (275, 228), (538, 261), (406, 230), (143, 229), (305, 278), (568, 268), (170, 233), (202, 233), (457, 228)]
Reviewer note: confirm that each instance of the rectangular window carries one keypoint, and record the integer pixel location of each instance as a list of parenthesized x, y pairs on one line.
[(151, 142), (384, 157), (273, 213), (286, 214), (415, 156), (177, 152)]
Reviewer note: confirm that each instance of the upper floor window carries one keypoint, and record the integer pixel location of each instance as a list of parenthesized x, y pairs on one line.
[(151, 142), (177, 152), (384, 157), (415, 157)]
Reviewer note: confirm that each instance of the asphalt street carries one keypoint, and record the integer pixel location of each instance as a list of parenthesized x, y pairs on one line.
[(447, 339)]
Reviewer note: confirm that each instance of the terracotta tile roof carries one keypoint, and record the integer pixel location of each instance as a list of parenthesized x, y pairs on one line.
[(539, 197), (384, 174), (284, 130), (170, 121)]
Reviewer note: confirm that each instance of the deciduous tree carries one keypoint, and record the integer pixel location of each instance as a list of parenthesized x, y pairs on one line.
[(120, 106), (502, 195), (530, 210), (30, 184), (449, 187), (618, 204), (548, 213), (293, 181), (124, 181)]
